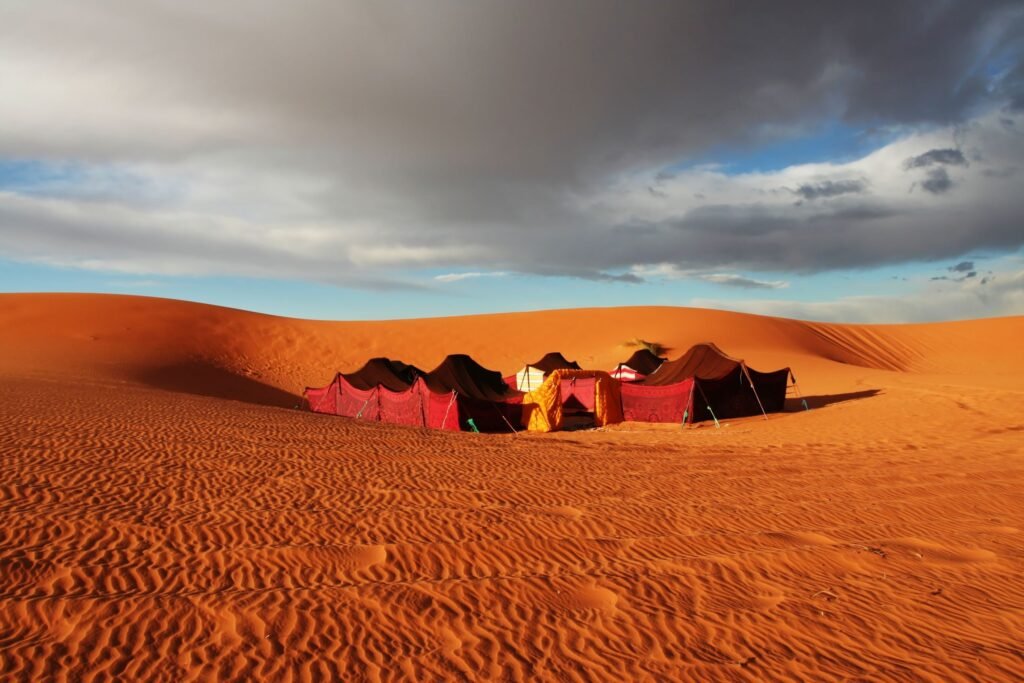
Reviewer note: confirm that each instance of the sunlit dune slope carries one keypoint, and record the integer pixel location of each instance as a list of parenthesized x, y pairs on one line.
[(229, 353)]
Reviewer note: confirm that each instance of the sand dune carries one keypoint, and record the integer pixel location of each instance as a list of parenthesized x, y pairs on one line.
[(165, 518)]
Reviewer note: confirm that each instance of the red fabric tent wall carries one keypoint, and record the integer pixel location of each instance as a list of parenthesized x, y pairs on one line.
[(669, 403), (352, 402), (456, 391), (407, 407), (578, 391), (446, 411), (323, 399), (341, 398)]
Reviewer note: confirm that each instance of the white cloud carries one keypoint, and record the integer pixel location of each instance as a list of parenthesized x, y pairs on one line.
[(669, 271), (999, 294), (456, 277), (733, 280)]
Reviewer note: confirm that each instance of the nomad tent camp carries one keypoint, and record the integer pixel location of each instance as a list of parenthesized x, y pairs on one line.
[(460, 394)]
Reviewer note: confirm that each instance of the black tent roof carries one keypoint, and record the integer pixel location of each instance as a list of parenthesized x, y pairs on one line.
[(644, 361), (462, 374), (390, 374), (703, 361), (554, 361)]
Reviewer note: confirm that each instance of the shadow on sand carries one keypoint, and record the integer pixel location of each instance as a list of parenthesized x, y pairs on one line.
[(794, 404), (203, 379)]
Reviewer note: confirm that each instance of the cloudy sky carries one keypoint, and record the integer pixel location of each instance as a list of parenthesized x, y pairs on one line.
[(835, 161)]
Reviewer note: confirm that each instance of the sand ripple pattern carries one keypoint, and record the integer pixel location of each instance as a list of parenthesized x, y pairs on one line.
[(156, 536)]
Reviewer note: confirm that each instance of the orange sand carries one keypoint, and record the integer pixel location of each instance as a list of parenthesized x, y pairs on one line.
[(166, 514)]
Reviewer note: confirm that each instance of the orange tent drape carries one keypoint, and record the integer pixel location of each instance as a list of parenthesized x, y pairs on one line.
[(542, 407)]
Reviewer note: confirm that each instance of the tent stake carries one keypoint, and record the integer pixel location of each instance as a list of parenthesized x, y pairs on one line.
[(796, 388), (717, 426), (708, 403)]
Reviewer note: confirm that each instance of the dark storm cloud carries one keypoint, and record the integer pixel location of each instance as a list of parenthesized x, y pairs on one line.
[(949, 157), (962, 271), (830, 188), (938, 181), (784, 238), (482, 127), (499, 90)]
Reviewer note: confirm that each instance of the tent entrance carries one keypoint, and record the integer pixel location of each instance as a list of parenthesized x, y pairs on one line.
[(578, 400)]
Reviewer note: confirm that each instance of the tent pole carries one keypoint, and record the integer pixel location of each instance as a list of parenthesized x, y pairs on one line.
[(444, 420), (337, 394), (708, 404), (320, 403), (502, 416), (752, 388), (689, 405), (796, 387)]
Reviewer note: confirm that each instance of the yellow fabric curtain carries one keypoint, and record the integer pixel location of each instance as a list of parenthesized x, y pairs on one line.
[(542, 407)]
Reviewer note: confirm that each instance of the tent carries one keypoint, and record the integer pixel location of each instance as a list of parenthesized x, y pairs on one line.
[(668, 403), (460, 389), (532, 375), (723, 386), (642, 363), (542, 408), (447, 397), (354, 394)]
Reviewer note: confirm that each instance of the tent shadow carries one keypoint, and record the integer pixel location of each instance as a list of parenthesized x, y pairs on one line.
[(820, 401), (204, 379)]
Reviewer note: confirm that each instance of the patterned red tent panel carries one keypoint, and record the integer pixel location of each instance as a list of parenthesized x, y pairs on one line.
[(669, 403)]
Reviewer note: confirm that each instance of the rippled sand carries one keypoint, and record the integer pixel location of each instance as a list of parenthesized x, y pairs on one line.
[(164, 517)]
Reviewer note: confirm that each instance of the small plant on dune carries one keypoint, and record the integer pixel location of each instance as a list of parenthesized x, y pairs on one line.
[(654, 347)]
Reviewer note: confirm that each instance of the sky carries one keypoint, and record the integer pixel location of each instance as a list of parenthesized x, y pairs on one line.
[(857, 162)]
